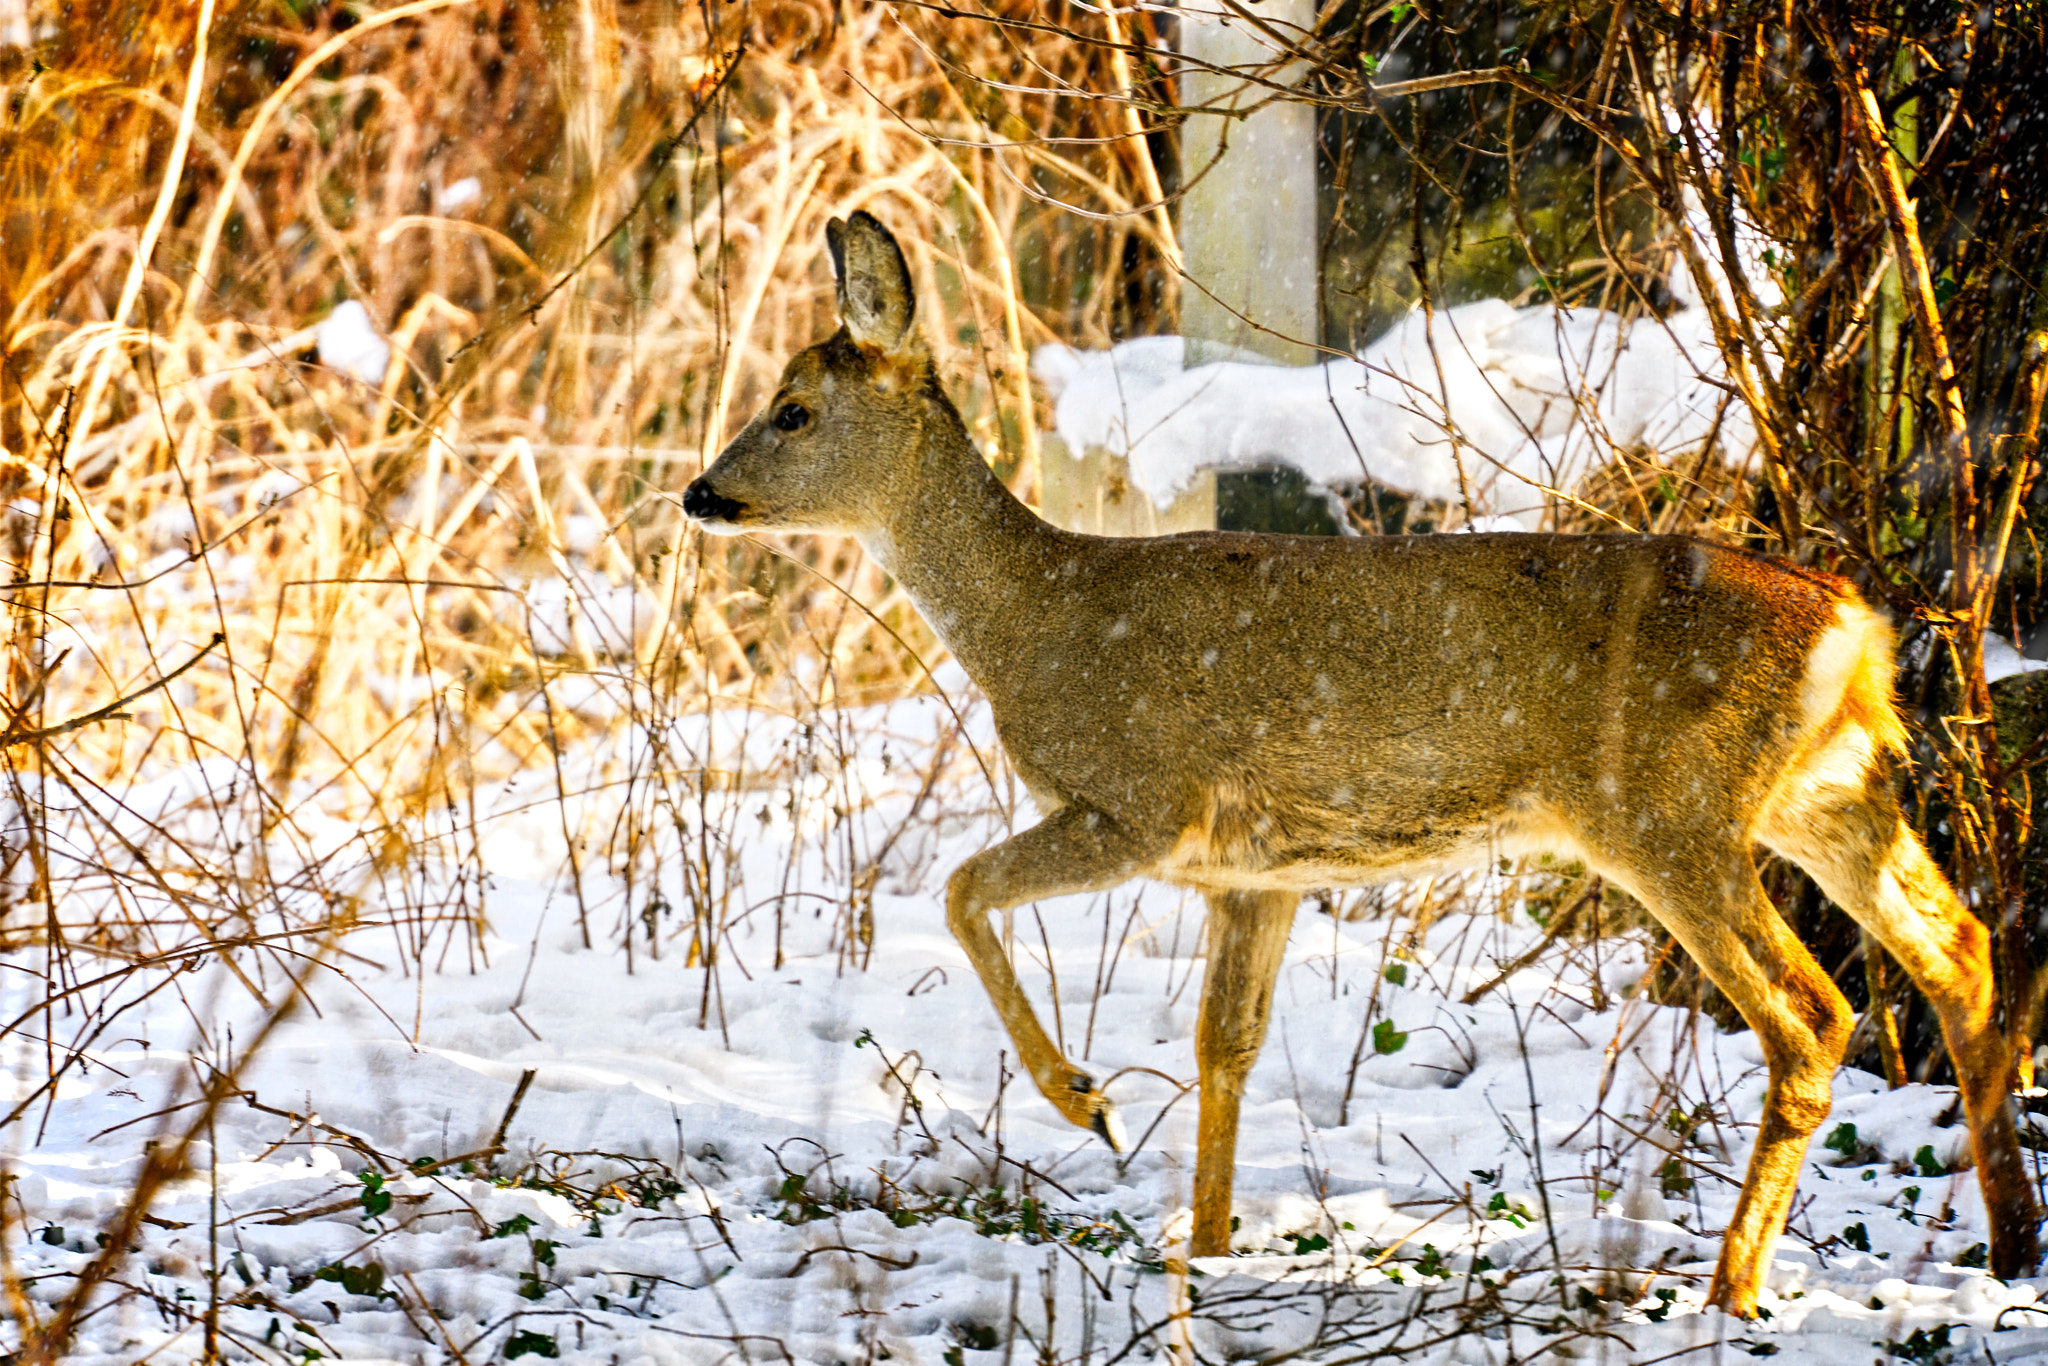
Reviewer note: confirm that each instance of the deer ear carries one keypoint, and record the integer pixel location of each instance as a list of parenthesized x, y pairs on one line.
[(875, 297)]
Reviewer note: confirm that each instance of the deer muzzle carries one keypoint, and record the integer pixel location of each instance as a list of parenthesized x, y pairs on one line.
[(704, 504)]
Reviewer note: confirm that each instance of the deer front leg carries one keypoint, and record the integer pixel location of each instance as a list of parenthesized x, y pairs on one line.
[(1073, 850), (1247, 939)]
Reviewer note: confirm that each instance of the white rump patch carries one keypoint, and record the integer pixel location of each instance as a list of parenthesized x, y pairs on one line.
[(1832, 662), (1844, 760)]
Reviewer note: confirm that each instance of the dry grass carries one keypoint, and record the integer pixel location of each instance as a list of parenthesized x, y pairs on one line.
[(400, 567)]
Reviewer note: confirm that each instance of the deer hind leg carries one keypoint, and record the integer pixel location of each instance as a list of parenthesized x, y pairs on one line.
[(1858, 847), (1074, 850), (1247, 939), (1738, 939)]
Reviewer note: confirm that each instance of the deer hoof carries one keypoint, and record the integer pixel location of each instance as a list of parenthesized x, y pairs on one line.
[(1097, 1112), (1109, 1126), (1730, 1299)]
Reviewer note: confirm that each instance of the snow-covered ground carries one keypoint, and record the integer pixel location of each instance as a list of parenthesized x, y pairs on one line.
[(814, 1150)]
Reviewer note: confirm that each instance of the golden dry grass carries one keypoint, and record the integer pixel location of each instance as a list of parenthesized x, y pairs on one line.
[(567, 348)]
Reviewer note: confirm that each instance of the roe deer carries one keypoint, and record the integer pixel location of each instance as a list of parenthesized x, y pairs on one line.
[(1256, 716)]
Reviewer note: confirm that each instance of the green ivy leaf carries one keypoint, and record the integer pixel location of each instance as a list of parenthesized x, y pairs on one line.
[(376, 1200), (526, 1342)]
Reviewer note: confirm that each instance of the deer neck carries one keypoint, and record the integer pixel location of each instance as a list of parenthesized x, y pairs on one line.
[(963, 547)]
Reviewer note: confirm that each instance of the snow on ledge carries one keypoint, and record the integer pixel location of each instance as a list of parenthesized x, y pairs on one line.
[(1538, 397), (2002, 661)]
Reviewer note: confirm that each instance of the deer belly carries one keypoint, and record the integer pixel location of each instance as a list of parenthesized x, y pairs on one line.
[(1241, 844)]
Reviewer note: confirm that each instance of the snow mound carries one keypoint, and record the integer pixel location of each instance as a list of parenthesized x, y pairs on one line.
[(1527, 401)]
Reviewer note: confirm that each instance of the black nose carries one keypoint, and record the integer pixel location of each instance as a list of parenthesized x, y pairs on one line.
[(701, 502)]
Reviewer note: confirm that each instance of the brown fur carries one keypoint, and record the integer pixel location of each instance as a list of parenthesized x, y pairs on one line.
[(1255, 716)]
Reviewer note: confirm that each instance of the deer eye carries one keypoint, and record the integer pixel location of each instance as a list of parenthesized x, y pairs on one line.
[(790, 416)]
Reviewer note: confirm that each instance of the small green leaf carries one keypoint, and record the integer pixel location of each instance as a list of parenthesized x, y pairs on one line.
[(1397, 973), (526, 1342), (1928, 1163), (1387, 1039), (376, 1200), (1842, 1139), (1499, 1208), (1921, 1345), (979, 1337), (367, 1279), (1857, 1236)]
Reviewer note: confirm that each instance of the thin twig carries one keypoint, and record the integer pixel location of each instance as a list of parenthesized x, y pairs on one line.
[(1559, 923), (113, 711)]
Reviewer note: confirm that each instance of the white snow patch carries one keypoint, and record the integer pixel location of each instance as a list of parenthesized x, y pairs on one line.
[(582, 534), (348, 341), (463, 193), (2001, 660)]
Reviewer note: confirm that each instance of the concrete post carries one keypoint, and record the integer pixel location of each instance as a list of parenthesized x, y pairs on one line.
[(1248, 236), (1248, 226)]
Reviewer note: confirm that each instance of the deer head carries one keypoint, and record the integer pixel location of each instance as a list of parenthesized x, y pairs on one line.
[(837, 447)]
